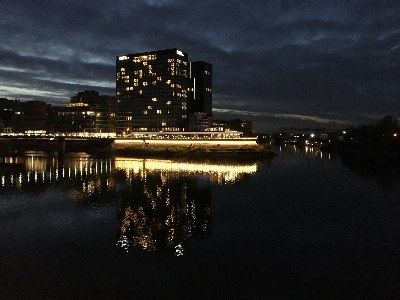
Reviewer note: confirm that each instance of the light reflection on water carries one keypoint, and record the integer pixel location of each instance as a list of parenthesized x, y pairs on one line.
[(306, 225), (160, 203)]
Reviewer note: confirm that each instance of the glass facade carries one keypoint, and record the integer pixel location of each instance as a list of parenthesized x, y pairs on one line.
[(200, 92), (152, 91)]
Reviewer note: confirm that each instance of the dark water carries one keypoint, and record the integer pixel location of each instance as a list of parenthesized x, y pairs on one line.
[(304, 225)]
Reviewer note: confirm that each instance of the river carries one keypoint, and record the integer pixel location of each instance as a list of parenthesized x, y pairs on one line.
[(303, 225)]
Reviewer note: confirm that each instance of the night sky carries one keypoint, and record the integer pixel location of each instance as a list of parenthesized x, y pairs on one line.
[(284, 63)]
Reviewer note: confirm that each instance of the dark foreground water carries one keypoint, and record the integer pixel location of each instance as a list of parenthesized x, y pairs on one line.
[(304, 225)]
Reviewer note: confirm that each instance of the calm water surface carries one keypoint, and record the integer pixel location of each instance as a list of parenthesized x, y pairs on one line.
[(304, 225)]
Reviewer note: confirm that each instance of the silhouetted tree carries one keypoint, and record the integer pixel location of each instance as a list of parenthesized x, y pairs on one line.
[(380, 137)]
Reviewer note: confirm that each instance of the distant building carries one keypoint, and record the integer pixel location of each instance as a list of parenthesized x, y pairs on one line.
[(152, 91), (236, 125), (75, 117), (12, 115), (35, 116), (103, 105), (87, 112)]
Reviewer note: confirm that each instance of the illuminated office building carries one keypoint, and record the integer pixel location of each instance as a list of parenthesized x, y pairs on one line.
[(152, 90)]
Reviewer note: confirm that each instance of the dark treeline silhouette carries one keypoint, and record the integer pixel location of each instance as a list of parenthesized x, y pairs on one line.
[(374, 151), (380, 138)]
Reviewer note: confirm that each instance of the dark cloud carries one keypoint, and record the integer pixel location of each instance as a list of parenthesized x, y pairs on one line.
[(278, 63)]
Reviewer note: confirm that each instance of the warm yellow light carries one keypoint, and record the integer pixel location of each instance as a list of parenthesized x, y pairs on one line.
[(139, 165)]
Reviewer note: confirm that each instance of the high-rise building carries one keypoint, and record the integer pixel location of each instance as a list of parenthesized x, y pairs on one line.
[(200, 92), (152, 91)]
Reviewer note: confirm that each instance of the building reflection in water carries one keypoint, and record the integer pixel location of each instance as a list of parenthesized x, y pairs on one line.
[(165, 202), (160, 203)]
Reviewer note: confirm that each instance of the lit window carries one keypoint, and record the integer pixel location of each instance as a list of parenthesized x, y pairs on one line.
[(135, 80), (168, 102), (123, 69), (145, 112), (163, 123), (136, 84), (144, 83), (159, 111), (184, 116), (154, 99), (159, 78), (154, 82), (145, 63), (149, 107), (168, 81), (140, 92)]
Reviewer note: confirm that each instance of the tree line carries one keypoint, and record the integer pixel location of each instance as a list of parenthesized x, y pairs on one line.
[(383, 137)]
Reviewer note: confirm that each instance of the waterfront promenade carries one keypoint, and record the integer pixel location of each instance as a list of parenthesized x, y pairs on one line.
[(155, 143)]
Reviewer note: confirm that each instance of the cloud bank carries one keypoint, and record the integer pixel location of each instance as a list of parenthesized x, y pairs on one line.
[(277, 63)]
